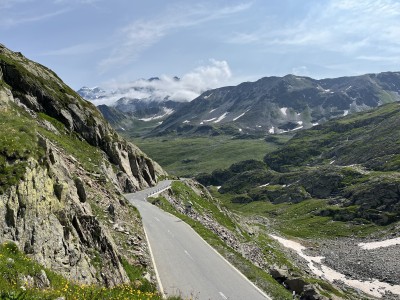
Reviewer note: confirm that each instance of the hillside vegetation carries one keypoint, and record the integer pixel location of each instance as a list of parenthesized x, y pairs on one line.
[(345, 171), (189, 156)]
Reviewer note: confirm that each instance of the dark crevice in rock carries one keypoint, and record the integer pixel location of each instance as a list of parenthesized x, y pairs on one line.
[(77, 226), (10, 218)]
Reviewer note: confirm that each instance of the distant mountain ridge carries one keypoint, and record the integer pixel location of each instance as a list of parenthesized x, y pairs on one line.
[(280, 104), (134, 102)]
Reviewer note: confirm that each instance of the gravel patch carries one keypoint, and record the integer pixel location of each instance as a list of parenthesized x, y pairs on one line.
[(347, 257)]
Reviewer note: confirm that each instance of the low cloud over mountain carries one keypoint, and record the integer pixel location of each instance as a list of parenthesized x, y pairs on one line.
[(189, 86)]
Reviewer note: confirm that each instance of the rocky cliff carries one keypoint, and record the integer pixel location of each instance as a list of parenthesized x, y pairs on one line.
[(63, 170)]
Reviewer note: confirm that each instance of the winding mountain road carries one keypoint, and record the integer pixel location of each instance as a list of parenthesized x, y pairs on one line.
[(185, 264)]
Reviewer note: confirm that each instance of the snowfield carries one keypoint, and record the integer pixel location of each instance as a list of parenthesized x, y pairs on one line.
[(167, 112), (221, 117), (381, 244)]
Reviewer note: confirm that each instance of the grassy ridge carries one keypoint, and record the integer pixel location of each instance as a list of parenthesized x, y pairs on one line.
[(369, 138), (300, 219)]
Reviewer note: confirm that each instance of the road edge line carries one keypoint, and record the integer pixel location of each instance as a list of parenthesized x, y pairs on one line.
[(227, 261), (160, 286)]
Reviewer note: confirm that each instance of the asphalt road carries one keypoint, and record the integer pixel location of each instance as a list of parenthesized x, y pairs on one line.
[(185, 263)]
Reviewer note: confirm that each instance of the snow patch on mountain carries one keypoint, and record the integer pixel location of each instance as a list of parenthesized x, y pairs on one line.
[(297, 128), (209, 120), (380, 244), (241, 115), (315, 263), (221, 118), (167, 112), (284, 111), (208, 96), (271, 130)]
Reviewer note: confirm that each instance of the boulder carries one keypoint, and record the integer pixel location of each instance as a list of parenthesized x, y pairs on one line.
[(296, 284), (311, 293), (279, 274), (80, 188)]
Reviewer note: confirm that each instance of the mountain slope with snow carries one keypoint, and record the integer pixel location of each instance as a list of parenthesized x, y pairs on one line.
[(281, 104)]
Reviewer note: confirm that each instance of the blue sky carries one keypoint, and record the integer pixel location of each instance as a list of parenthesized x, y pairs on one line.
[(210, 43)]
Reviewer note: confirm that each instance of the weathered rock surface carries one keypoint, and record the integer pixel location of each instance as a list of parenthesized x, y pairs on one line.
[(57, 210), (39, 89)]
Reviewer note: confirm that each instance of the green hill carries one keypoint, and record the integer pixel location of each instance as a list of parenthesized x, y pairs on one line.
[(350, 164)]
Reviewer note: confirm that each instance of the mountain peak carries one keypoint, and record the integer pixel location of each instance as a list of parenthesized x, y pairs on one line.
[(274, 104)]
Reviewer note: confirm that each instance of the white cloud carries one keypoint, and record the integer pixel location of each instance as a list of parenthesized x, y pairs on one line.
[(142, 34), (191, 85), (10, 3), (75, 50), (22, 19), (301, 71), (378, 58), (76, 1), (15, 11), (345, 26)]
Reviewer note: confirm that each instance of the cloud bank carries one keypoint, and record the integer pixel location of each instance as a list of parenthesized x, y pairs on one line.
[(142, 34), (215, 74)]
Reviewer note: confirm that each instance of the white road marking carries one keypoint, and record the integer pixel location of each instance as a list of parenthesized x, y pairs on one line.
[(157, 219), (223, 296), (187, 253)]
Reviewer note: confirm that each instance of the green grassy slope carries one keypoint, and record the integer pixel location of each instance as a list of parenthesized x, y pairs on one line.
[(338, 179), (370, 138), (189, 156)]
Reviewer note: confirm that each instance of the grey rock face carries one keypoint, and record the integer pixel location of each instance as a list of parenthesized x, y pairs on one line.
[(56, 212), (77, 115), (58, 231)]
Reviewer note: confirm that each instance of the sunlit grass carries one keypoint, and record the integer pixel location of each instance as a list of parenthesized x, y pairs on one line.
[(15, 268)]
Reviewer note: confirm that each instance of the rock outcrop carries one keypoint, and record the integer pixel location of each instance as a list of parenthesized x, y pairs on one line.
[(41, 91), (61, 168)]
